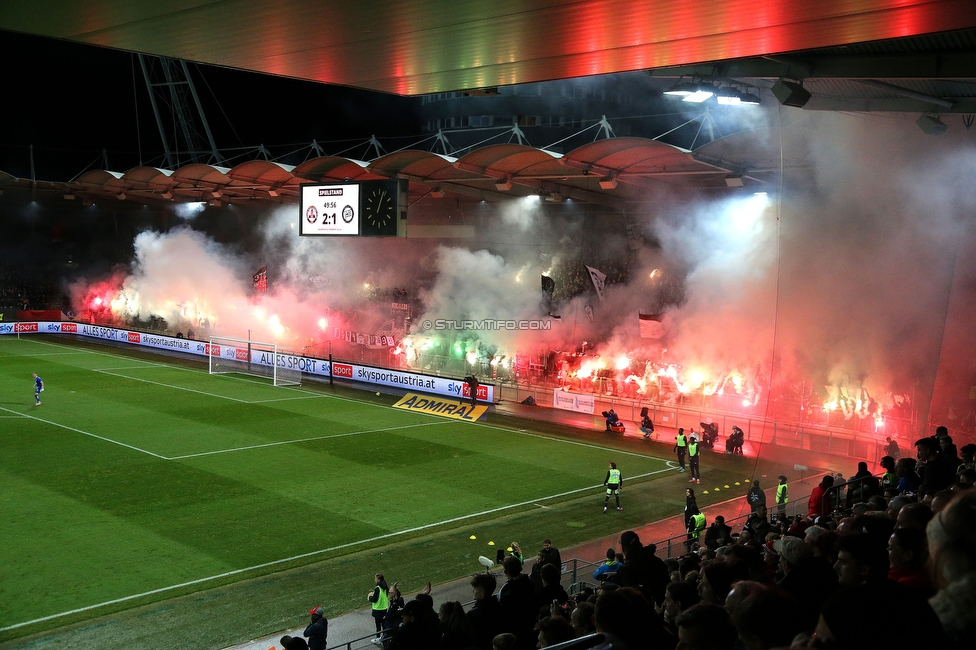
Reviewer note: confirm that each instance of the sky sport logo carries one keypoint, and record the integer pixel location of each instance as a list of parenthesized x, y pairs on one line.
[(487, 324), (341, 370)]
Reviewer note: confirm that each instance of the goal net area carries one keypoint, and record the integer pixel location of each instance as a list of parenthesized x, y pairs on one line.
[(243, 357)]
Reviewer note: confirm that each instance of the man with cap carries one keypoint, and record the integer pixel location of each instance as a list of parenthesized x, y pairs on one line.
[(770, 560), (317, 630), (810, 582)]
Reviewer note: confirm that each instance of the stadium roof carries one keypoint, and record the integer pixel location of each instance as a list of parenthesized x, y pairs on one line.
[(428, 46), (912, 56)]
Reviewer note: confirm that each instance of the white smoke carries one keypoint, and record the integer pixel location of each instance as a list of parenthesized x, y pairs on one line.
[(843, 279)]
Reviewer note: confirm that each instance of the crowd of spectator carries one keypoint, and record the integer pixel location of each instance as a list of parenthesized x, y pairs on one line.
[(885, 562), (20, 291)]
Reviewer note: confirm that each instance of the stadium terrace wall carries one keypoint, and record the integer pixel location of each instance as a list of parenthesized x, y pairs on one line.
[(312, 366)]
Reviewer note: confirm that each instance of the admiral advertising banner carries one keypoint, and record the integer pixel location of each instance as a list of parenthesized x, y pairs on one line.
[(445, 386), (447, 408), (573, 402)]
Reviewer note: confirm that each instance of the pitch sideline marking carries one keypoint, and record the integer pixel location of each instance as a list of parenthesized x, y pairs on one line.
[(45, 354), (18, 415), (313, 553), (568, 442), (305, 394), (61, 346), (86, 433)]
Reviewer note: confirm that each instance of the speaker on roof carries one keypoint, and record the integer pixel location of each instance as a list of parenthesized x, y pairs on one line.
[(790, 93)]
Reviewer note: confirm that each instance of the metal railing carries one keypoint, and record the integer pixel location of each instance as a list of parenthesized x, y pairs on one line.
[(569, 577), (833, 493)]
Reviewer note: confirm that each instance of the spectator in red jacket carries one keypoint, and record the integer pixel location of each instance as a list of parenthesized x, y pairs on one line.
[(818, 501)]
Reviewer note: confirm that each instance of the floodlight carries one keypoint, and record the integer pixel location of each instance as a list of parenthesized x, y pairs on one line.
[(682, 89), (729, 96), (698, 96)]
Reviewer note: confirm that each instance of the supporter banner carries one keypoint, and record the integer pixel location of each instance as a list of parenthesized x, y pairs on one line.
[(599, 281), (260, 280), (447, 408), (651, 325), (445, 386), (40, 314), (373, 340), (573, 402)]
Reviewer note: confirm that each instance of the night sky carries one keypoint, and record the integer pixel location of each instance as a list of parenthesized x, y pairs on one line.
[(72, 101)]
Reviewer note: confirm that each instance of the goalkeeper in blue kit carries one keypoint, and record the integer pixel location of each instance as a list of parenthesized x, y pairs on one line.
[(38, 389)]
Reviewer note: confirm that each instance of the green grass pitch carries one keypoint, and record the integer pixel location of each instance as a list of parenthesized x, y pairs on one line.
[(142, 478)]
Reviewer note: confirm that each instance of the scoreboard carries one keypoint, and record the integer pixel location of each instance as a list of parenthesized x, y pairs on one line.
[(364, 209)]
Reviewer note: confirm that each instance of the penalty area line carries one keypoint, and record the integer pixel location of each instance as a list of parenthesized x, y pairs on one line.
[(85, 433), (289, 442), (301, 556)]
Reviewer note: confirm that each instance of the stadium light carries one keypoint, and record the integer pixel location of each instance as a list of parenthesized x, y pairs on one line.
[(681, 89), (698, 96)]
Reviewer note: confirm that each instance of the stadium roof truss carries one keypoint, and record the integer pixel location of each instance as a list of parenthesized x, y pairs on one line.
[(610, 172)]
